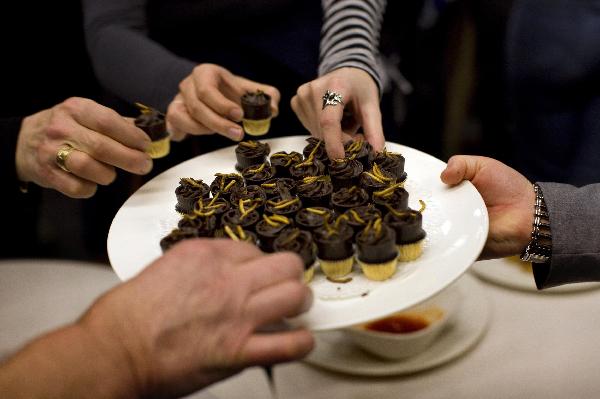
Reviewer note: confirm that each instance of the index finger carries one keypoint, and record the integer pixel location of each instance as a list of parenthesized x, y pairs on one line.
[(108, 122)]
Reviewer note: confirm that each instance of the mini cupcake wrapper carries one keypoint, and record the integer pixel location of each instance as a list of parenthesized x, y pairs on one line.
[(379, 271), (159, 148), (256, 127), (309, 274), (410, 252), (336, 268)]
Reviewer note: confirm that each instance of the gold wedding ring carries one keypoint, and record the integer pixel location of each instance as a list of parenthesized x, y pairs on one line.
[(61, 156)]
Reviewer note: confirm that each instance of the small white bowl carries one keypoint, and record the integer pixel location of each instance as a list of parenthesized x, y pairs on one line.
[(432, 315)]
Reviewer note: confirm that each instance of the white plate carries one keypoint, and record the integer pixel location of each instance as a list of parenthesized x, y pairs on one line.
[(455, 220), (512, 273), (334, 351)]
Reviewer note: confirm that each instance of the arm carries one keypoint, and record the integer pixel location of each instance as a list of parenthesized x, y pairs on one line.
[(125, 60), (350, 37), (509, 198), (189, 319), (574, 222)]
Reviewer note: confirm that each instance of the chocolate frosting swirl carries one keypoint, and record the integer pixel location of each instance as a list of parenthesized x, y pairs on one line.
[(152, 122), (175, 236), (222, 184), (298, 241), (349, 198), (311, 220), (391, 162), (256, 105), (407, 225), (335, 244), (204, 226), (257, 174), (376, 246), (271, 187), (301, 170), (320, 154)]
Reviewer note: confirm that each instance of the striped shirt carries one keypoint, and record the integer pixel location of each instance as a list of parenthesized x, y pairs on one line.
[(350, 36)]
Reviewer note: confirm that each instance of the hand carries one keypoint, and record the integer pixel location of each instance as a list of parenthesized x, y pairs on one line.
[(102, 140), (191, 317), (508, 196), (209, 102), (337, 124)]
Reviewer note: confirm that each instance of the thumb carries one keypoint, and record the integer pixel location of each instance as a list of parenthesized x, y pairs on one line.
[(459, 168)]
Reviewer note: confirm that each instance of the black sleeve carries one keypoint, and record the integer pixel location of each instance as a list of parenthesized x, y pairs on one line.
[(125, 60)]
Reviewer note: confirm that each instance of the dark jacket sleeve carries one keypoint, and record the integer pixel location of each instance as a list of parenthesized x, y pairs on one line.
[(575, 226), (127, 62)]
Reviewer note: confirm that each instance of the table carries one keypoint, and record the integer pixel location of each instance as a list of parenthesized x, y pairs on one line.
[(536, 346), (37, 296)]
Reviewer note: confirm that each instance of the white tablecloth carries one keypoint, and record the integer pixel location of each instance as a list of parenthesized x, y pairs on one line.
[(537, 346)]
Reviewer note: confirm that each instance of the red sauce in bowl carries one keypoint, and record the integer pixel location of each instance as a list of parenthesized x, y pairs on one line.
[(399, 324)]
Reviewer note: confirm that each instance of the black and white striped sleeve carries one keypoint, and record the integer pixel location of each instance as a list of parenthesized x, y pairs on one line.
[(350, 36)]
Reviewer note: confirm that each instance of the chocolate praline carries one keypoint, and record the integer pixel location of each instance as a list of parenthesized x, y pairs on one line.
[(359, 217), (267, 234), (361, 150), (315, 191), (408, 226), (344, 172), (376, 248), (233, 217), (348, 198), (371, 183), (303, 169), (222, 184), (312, 218), (273, 206), (218, 205), (175, 236), (298, 241), (257, 174), (256, 105), (271, 186), (249, 236), (397, 199), (282, 161), (189, 192), (320, 153), (252, 192), (203, 226), (391, 162), (250, 153), (153, 123), (336, 245)]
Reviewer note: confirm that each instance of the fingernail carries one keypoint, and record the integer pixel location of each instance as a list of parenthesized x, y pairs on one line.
[(148, 164), (236, 114), (308, 301), (235, 133)]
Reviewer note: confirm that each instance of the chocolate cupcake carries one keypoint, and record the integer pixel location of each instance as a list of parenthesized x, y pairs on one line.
[(376, 179), (189, 192), (348, 198), (410, 235), (202, 223), (225, 183), (152, 122), (361, 151), (376, 251), (359, 217), (391, 162), (250, 153), (269, 228), (344, 172), (334, 248), (394, 196), (300, 242), (315, 191), (175, 236), (272, 187), (236, 233), (250, 195), (247, 218), (285, 206), (257, 113), (308, 167), (258, 174), (316, 147), (312, 218), (282, 161), (216, 204)]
